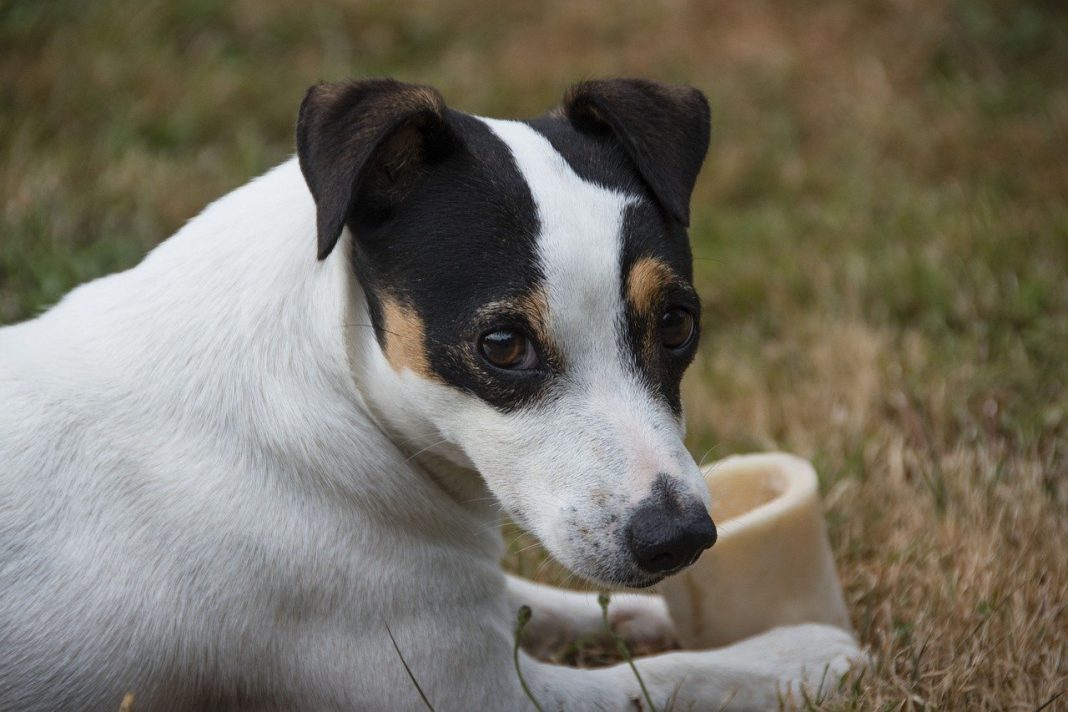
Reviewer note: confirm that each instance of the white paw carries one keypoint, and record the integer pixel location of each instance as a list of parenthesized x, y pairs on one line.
[(812, 655), (786, 665), (642, 622)]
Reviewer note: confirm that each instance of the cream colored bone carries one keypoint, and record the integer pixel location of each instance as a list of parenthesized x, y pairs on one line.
[(772, 564)]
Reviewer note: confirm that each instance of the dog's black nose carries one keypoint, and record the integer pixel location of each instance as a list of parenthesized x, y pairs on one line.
[(665, 534)]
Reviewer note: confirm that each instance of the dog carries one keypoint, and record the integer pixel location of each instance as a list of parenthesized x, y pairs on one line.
[(263, 469)]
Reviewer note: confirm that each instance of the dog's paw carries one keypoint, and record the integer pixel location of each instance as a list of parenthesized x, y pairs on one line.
[(783, 666), (811, 656), (643, 623)]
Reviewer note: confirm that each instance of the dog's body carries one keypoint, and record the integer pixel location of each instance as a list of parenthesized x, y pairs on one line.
[(225, 472)]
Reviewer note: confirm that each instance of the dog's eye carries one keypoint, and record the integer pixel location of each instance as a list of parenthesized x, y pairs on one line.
[(676, 327), (508, 349)]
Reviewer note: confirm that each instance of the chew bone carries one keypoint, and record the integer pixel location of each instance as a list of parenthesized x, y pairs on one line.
[(772, 564)]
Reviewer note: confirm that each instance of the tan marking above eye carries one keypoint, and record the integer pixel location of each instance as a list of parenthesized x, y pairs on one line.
[(532, 305), (405, 338), (646, 282), (535, 306)]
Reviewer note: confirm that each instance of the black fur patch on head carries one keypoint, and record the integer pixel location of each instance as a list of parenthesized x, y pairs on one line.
[(663, 128), (444, 230), (366, 141), (459, 249)]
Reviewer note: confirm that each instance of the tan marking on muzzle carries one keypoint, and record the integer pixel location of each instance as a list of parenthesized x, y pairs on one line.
[(648, 279), (405, 338)]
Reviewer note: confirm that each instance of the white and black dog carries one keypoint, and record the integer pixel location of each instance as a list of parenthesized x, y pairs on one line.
[(227, 471)]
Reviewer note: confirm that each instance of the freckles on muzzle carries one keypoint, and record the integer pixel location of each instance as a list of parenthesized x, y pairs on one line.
[(668, 531)]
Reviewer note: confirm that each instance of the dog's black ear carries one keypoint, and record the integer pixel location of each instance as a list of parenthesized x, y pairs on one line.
[(664, 129), (365, 142)]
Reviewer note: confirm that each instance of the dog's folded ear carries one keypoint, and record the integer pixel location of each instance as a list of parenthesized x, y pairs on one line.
[(664, 129), (364, 142)]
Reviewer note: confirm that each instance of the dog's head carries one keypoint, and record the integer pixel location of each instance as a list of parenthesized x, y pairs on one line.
[(529, 286)]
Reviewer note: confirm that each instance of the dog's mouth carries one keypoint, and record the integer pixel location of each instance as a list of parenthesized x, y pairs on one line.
[(609, 562), (644, 580), (627, 576), (637, 578)]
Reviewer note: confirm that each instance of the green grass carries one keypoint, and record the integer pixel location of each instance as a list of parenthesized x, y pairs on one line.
[(881, 232)]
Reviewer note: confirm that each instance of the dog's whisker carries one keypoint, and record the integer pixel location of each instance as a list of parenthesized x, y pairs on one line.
[(494, 524), (707, 472), (370, 326), (476, 500), (419, 438), (545, 563), (528, 547), (516, 538), (701, 462), (419, 452), (566, 583)]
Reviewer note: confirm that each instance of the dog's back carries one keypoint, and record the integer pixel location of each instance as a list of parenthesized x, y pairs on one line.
[(87, 424)]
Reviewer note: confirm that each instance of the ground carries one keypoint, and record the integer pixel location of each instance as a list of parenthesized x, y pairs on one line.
[(881, 234)]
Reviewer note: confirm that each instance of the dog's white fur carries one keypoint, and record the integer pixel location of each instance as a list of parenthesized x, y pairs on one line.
[(212, 490)]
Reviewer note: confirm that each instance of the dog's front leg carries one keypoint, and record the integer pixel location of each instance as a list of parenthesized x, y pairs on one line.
[(755, 674), (560, 616)]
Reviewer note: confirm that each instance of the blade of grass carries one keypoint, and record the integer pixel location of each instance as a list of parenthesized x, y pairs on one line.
[(1049, 702), (521, 619), (624, 652), (411, 675)]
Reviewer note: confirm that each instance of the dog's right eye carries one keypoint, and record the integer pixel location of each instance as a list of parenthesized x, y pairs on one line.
[(676, 328), (508, 349)]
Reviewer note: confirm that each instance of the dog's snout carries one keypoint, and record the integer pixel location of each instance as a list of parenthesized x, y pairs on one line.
[(666, 533)]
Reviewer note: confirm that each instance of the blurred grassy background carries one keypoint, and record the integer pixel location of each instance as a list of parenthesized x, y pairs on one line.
[(881, 233)]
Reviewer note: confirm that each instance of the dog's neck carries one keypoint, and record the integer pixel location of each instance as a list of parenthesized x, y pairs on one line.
[(422, 446), (463, 484)]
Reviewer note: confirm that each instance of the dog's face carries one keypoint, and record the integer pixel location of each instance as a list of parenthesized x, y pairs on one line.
[(529, 289)]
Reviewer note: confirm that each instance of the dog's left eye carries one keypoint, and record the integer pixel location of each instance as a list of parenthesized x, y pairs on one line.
[(676, 328), (508, 349)]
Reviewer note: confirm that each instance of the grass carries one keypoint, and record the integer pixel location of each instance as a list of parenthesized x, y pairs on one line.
[(522, 618), (881, 235), (603, 600)]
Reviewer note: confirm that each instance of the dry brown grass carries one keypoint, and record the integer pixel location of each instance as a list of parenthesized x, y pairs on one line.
[(951, 546)]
